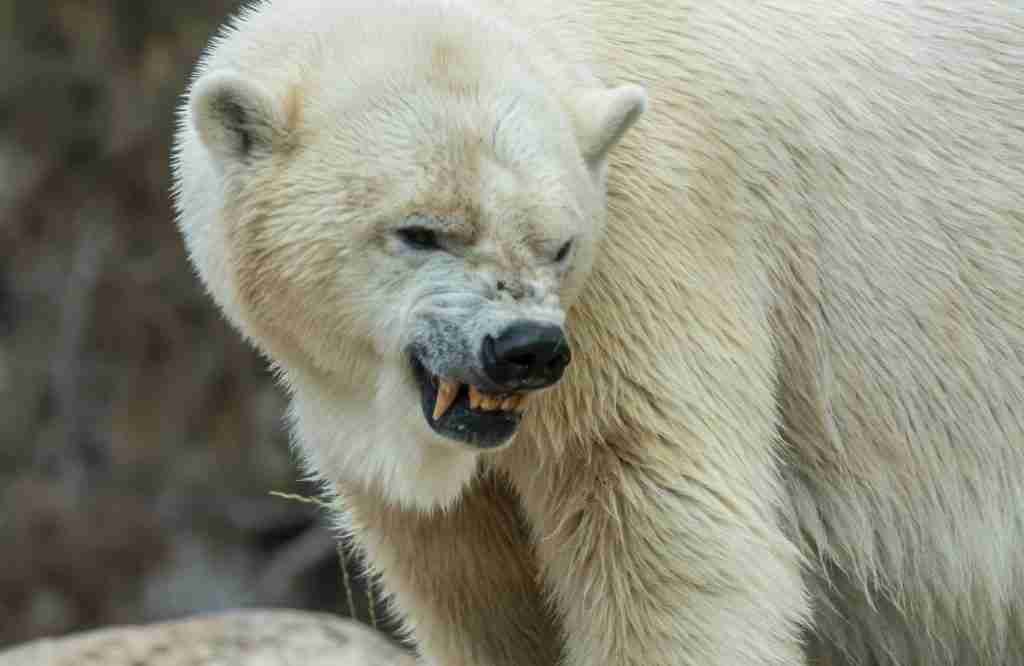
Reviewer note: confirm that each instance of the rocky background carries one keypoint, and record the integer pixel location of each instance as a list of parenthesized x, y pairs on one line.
[(139, 437)]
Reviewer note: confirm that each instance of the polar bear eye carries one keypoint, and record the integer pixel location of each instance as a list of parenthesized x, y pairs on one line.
[(419, 238), (563, 251)]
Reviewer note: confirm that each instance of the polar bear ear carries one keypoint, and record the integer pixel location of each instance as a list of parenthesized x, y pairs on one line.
[(236, 118), (603, 116)]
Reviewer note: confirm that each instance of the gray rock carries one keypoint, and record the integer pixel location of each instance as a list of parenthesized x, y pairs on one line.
[(239, 638)]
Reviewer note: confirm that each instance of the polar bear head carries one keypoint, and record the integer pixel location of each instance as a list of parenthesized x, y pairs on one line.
[(397, 203)]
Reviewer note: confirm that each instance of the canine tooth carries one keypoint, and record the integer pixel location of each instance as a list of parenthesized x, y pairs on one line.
[(490, 403), (475, 396), (521, 405), (510, 403), (446, 394)]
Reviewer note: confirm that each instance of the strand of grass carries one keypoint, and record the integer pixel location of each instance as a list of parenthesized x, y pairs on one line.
[(341, 556), (348, 583), (370, 601), (302, 498)]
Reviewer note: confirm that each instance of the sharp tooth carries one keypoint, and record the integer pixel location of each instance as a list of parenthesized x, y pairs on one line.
[(474, 397), (510, 403), (490, 403), (446, 394), (521, 405)]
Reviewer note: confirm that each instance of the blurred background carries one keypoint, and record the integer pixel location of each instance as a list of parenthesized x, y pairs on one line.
[(140, 438)]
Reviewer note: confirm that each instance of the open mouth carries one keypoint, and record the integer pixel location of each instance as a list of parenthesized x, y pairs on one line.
[(464, 413)]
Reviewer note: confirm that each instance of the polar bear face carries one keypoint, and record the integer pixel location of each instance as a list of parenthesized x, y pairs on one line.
[(411, 234)]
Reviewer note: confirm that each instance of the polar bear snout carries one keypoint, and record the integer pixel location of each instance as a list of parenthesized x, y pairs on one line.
[(526, 355), (475, 384)]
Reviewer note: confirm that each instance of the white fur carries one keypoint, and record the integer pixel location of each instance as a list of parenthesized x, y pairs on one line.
[(382, 446)]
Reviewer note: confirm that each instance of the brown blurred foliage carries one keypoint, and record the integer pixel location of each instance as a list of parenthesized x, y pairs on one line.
[(139, 436)]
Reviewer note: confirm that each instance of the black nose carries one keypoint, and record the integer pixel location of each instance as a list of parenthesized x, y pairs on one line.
[(526, 355)]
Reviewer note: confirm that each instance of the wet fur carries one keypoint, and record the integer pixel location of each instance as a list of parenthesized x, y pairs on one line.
[(793, 429)]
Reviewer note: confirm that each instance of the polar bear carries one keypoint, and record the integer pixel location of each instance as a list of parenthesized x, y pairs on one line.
[(675, 332)]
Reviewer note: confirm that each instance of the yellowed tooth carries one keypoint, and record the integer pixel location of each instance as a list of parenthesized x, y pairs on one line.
[(475, 396), (521, 405), (447, 391), (490, 403), (510, 403)]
